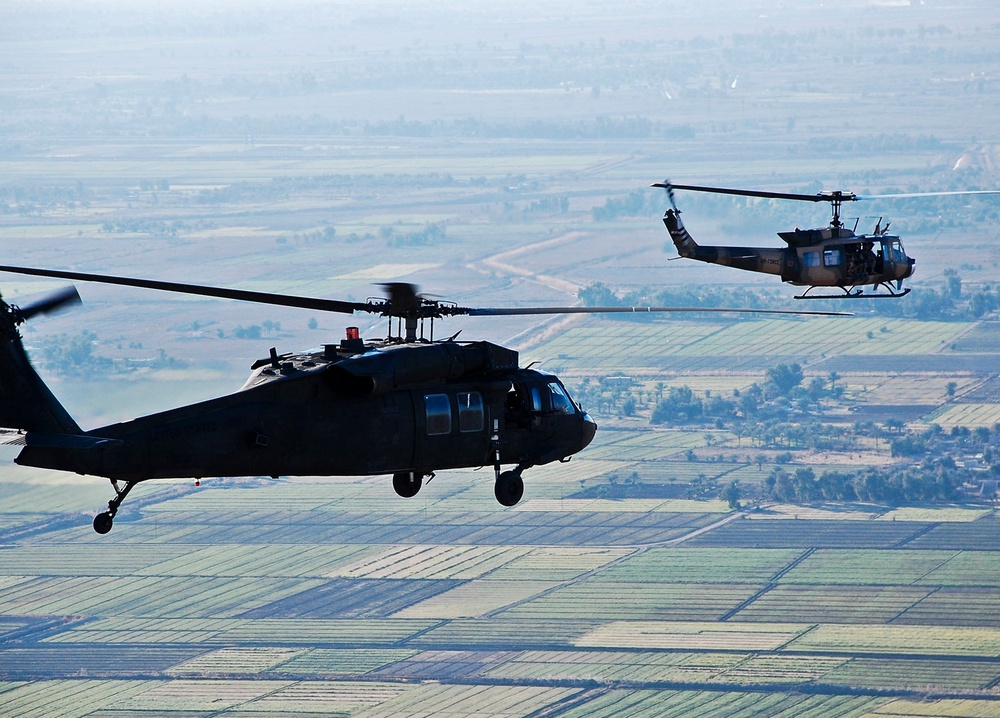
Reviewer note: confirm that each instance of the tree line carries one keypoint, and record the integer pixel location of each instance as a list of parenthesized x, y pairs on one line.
[(953, 301)]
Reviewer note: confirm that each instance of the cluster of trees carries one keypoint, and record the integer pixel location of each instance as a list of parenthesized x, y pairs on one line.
[(611, 395), (152, 226), (599, 294), (74, 355), (938, 479), (781, 393), (326, 235), (432, 233), (637, 203), (70, 354), (951, 303), (31, 200), (761, 413), (554, 204), (254, 331), (779, 413)]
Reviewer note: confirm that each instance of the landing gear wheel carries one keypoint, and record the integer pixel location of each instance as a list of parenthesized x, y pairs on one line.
[(103, 522), (509, 488), (407, 483)]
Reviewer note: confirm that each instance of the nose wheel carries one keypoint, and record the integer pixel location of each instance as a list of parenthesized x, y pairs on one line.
[(407, 483), (509, 487)]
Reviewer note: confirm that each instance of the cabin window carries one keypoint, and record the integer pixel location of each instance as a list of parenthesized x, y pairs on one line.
[(810, 259), (832, 257), (471, 416), (438, 408), (561, 403)]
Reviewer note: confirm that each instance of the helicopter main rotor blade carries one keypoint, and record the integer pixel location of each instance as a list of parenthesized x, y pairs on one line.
[(832, 196), (514, 311), (902, 195), (412, 304), (285, 300)]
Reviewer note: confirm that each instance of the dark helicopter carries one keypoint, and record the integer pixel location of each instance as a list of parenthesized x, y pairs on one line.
[(833, 256), (406, 405)]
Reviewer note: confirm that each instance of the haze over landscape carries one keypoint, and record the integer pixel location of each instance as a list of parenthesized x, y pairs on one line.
[(778, 515)]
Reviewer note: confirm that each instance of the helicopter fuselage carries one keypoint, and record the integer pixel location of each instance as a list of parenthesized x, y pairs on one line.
[(828, 257), (332, 412)]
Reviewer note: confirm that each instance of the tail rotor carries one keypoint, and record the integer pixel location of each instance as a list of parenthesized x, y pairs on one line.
[(665, 184)]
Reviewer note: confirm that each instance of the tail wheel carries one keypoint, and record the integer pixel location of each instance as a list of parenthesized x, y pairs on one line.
[(509, 488), (103, 522), (407, 483)]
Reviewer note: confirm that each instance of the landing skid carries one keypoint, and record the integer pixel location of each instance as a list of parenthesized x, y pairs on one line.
[(854, 293)]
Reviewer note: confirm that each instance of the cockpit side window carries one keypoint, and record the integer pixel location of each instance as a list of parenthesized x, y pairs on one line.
[(561, 403)]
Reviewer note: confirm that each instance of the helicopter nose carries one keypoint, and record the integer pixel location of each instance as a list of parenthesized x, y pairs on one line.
[(589, 429), (911, 269)]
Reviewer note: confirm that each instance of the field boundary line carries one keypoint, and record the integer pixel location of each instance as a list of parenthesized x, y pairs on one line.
[(914, 605), (581, 697), (637, 551), (917, 534), (746, 602), (772, 583), (780, 573), (932, 570), (699, 531)]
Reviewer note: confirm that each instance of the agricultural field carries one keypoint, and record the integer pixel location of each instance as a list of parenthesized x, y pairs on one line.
[(250, 604), (321, 152)]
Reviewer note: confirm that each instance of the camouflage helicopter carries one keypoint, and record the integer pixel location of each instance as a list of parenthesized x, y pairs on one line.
[(832, 257), (405, 405)]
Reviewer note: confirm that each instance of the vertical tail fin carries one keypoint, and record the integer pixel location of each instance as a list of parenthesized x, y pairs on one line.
[(686, 246), (25, 401)]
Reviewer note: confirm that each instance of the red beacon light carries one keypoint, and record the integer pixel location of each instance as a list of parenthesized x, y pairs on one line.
[(353, 343)]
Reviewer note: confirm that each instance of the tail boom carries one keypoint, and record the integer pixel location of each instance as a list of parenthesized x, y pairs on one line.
[(767, 261)]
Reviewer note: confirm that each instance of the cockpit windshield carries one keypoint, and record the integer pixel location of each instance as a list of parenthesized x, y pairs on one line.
[(561, 403), (893, 251)]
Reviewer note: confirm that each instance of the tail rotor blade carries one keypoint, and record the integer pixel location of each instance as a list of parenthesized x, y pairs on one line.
[(666, 184), (670, 195)]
